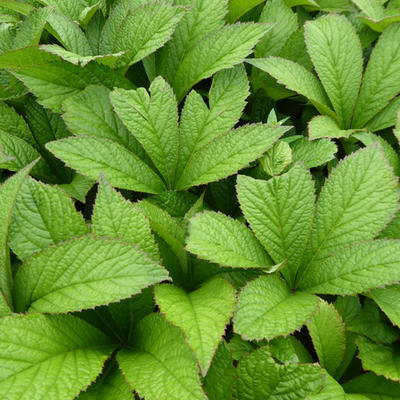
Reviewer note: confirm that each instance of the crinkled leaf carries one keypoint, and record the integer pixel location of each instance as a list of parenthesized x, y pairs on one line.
[(267, 309), (82, 273), (277, 158), (160, 364)]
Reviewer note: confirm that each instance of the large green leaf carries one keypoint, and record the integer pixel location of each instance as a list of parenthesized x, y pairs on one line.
[(153, 120), (267, 309), (115, 217), (380, 83), (260, 377), (49, 356), (327, 332), (202, 315), (223, 240), (237, 8), (228, 153), (42, 215), (354, 269), (280, 212), (313, 153), (388, 301), (82, 273), (8, 196), (336, 53), (91, 155), (160, 365), (358, 199)]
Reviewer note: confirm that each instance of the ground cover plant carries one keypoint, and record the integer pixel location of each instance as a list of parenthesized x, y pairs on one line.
[(199, 199)]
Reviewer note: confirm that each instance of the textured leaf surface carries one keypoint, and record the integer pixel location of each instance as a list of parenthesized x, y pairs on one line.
[(90, 112), (225, 241), (116, 217), (161, 365), (313, 153), (277, 158), (83, 273), (202, 315), (382, 359), (380, 83), (355, 269), (327, 332), (388, 299), (385, 118), (42, 215), (323, 126), (280, 212), (223, 49), (336, 53), (228, 153), (260, 377), (40, 361), (8, 196), (356, 202), (153, 120), (90, 156), (267, 309)]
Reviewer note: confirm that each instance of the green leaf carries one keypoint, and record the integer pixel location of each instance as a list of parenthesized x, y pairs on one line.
[(121, 167), (332, 390), (223, 240), (199, 125), (53, 80), (23, 8), (379, 358), (385, 118), (323, 126), (160, 364), (153, 120), (39, 360), (8, 196), (237, 8), (73, 8), (260, 377), (202, 315), (327, 332), (355, 269), (94, 271), (358, 199), (110, 384), (4, 306), (297, 78), (280, 213), (115, 217), (223, 49), (220, 377), (396, 130), (373, 386), (388, 301), (380, 83), (140, 29), (43, 215), (90, 112), (229, 153), (277, 158), (289, 349), (78, 188), (336, 53), (267, 309)]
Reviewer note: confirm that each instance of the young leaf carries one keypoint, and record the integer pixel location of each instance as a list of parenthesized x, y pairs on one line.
[(90, 112), (277, 158), (78, 188), (153, 120), (160, 364), (355, 269), (280, 212), (116, 217), (43, 215), (228, 153), (336, 53), (388, 301), (220, 377), (8, 196), (223, 240), (327, 332), (120, 167), (202, 315), (40, 360), (357, 201), (223, 49), (267, 309), (260, 377), (380, 83), (82, 273), (323, 126), (379, 358)]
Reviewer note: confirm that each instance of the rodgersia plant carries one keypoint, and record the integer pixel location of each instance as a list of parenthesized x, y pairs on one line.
[(183, 219)]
